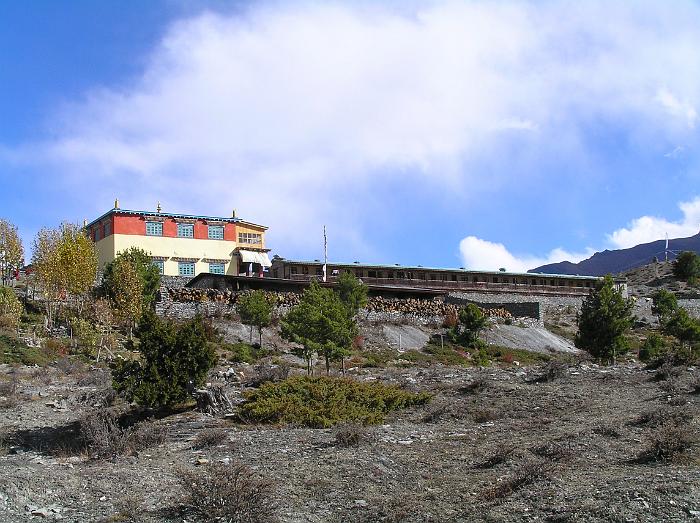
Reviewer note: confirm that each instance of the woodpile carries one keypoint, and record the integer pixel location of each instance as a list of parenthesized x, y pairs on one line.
[(409, 306)]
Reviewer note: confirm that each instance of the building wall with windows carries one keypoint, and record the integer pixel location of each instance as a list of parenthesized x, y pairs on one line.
[(179, 244)]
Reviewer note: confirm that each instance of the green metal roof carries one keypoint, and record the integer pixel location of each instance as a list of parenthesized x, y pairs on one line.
[(398, 267)]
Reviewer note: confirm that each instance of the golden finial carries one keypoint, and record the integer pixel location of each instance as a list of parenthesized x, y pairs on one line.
[(158, 209), (233, 214), (116, 203)]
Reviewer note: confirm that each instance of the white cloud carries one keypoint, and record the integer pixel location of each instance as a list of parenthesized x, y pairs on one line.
[(677, 108), (294, 112), (481, 254), (650, 228)]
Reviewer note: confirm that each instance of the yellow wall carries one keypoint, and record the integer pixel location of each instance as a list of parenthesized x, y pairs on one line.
[(168, 247), (251, 229)]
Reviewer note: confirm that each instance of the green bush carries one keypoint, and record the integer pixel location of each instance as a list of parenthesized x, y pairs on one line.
[(13, 350), (652, 347), (324, 401), (687, 266), (174, 360), (243, 353)]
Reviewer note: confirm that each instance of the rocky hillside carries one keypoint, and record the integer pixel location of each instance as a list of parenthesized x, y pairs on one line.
[(621, 260)]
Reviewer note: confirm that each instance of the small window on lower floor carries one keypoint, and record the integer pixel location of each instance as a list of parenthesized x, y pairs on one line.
[(160, 264), (217, 268), (185, 268)]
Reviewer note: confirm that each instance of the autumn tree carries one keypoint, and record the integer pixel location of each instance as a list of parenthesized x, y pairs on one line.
[(320, 324), (10, 308), (603, 322), (255, 310), (65, 264), (146, 271), (127, 292), (11, 250)]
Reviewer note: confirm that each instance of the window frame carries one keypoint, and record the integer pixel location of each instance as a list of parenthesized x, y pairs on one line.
[(217, 264), (185, 227), (158, 227), (249, 238), (182, 264), (211, 228)]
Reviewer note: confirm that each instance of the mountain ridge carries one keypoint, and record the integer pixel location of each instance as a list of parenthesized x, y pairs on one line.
[(621, 260)]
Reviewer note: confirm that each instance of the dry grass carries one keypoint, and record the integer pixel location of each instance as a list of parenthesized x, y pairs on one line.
[(500, 455), (556, 450), (655, 418), (103, 437), (474, 387), (550, 372), (349, 434), (266, 373), (434, 411), (668, 444), (231, 493), (526, 474), (211, 437)]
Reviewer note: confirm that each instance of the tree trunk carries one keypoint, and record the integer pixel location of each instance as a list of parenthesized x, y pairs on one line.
[(260, 336), (328, 366), (251, 333)]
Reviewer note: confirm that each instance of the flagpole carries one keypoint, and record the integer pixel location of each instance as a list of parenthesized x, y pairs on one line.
[(325, 253)]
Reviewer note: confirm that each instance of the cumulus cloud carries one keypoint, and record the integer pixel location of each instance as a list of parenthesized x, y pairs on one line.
[(481, 254), (650, 228), (295, 112)]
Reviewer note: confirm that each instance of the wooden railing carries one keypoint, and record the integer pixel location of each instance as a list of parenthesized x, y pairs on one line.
[(523, 288)]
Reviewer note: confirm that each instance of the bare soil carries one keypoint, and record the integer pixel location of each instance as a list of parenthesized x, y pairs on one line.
[(492, 445)]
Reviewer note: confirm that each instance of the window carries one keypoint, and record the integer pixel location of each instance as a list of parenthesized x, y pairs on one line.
[(185, 230), (154, 228), (217, 268), (97, 234), (185, 268), (216, 232), (160, 265), (293, 270), (249, 237)]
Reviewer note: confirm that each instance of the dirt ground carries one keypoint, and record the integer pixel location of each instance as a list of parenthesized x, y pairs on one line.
[(573, 442)]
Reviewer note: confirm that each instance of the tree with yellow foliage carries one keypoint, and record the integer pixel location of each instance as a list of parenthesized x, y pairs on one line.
[(65, 264), (11, 250)]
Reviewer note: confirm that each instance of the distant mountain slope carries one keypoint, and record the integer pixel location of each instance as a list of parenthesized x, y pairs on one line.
[(617, 261)]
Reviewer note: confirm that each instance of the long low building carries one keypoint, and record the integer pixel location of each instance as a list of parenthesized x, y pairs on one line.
[(439, 278)]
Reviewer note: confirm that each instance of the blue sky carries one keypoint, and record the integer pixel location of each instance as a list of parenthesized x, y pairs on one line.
[(478, 134)]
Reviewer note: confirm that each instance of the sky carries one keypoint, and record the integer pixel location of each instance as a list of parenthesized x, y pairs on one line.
[(473, 134)]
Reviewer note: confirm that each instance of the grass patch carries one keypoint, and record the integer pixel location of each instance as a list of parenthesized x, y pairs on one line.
[(13, 350), (507, 355), (322, 402)]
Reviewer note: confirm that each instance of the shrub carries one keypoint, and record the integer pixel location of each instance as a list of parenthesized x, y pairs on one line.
[(483, 415), (435, 411), (500, 455), (211, 437), (528, 473), (652, 347), (549, 372), (349, 434), (474, 386), (231, 493), (558, 450), (174, 361), (324, 401), (86, 335), (668, 444), (102, 435), (13, 350), (243, 353)]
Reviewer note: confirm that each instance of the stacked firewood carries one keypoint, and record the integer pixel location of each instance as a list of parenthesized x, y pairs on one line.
[(408, 306)]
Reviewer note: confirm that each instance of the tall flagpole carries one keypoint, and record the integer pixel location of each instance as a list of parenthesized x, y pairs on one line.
[(325, 253)]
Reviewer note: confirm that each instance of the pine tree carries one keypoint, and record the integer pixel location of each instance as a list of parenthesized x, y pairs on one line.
[(320, 324), (604, 320)]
